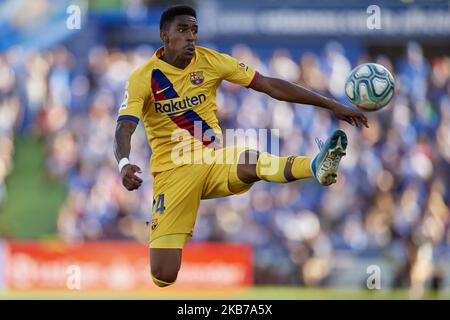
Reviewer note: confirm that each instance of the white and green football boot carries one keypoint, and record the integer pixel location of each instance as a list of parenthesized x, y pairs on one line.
[(326, 162)]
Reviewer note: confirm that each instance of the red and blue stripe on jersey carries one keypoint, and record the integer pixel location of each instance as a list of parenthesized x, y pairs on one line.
[(162, 87), (163, 90), (196, 126)]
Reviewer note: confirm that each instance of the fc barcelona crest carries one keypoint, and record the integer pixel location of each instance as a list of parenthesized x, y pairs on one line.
[(197, 77), (154, 224)]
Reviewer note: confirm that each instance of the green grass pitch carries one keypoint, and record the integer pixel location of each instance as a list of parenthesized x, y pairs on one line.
[(254, 293)]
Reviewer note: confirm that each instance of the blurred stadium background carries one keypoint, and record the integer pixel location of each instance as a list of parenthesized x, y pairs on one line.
[(61, 200)]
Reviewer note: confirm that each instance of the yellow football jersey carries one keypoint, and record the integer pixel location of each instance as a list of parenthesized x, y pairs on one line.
[(178, 106)]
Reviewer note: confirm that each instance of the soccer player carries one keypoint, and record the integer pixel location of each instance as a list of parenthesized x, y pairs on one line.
[(175, 91)]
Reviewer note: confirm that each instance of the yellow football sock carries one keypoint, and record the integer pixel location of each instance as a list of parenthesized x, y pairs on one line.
[(283, 169), (161, 283)]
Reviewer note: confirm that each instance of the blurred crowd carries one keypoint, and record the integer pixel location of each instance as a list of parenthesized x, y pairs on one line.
[(10, 103), (391, 199)]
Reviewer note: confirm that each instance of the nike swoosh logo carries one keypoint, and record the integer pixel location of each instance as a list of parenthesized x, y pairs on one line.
[(159, 91)]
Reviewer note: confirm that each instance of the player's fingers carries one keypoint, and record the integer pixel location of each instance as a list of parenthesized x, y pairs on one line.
[(363, 121), (349, 120), (360, 119), (136, 186), (131, 182), (366, 122), (128, 186), (137, 179), (130, 176), (132, 186), (135, 168)]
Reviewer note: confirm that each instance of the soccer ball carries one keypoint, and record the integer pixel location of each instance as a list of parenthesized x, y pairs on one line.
[(370, 86)]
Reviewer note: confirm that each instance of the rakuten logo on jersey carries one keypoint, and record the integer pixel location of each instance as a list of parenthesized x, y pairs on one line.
[(173, 106)]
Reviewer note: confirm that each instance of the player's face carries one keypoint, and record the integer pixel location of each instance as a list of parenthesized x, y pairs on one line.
[(182, 36)]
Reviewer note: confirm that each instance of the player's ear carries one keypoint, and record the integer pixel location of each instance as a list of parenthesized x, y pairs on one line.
[(164, 36)]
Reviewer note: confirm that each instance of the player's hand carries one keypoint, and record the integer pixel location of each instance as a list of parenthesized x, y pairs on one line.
[(129, 178), (351, 116)]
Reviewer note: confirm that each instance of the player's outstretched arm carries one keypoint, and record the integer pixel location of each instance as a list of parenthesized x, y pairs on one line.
[(287, 91), (122, 147)]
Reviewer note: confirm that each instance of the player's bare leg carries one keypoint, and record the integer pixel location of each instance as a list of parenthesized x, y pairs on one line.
[(165, 264), (246, 169)]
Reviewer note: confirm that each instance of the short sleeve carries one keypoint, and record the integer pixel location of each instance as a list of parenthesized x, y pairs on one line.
[(133, 101), (237, 72)]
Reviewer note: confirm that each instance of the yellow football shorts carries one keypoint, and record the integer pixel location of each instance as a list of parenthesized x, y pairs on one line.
[(177, 194)]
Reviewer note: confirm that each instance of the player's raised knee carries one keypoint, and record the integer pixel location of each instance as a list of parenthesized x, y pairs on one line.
[(163, 279)]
